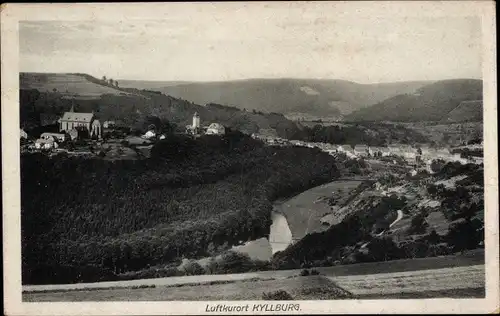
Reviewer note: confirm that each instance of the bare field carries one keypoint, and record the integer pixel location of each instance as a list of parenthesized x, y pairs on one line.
[(299, 287), (449, 276), (67, 84), (414, 281), (446, 282)]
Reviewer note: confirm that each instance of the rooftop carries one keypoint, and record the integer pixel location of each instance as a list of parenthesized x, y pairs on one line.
[(77, 117)]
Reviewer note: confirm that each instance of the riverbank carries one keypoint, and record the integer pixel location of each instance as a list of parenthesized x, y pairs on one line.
[(302, 214), (305, 210)]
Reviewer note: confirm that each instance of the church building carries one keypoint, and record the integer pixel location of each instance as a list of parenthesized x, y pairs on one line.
[(81, 122)]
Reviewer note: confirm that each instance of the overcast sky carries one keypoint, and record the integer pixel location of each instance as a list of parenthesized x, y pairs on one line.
[(212, 44)]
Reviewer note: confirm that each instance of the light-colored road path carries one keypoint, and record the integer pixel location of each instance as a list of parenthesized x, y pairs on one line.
[(361, 270), (400, 216)]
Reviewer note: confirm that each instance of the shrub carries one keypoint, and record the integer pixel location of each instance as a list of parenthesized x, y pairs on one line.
[(432, 238), (193, 268), (441, 249), (383, 249), (437, 165), (279, 295), (304, 272), (464, 235), (314, 272), (418, 224)]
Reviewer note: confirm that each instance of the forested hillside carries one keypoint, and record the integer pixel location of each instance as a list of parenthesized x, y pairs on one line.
[(466, 111), (51, 94), (432, 102), (306, 97), (110, 217)]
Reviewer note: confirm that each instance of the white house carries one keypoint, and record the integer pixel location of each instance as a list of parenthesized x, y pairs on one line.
[(45, 144), (216, 129), (385, 151), (409, 153), (108, 124), (56, 136), (361, 150), (149, 134), (394, 149), (345, 149)]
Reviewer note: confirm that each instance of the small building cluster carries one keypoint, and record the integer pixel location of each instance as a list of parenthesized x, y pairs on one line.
[(71, 125), (196, 129)]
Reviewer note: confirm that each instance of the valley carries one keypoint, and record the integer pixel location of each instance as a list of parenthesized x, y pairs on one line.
[(273, 196)]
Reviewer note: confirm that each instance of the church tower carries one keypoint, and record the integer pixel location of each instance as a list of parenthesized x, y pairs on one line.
[(196, 121)]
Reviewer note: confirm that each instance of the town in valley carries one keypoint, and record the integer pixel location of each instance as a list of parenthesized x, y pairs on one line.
[(172, 178)]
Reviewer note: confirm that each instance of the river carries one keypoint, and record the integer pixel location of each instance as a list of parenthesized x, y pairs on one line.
[(280, 237), (298, 216)]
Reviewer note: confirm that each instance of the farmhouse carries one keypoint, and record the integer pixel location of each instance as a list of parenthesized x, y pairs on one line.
[(81, 122), (216, 129)]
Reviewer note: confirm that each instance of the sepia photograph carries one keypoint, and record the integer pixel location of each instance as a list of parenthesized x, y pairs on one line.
[(252, 157)]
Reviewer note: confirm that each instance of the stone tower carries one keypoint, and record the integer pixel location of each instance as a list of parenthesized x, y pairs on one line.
[(196, 121)]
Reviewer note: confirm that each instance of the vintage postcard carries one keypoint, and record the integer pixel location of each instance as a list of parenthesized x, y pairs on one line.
[(222, 158)]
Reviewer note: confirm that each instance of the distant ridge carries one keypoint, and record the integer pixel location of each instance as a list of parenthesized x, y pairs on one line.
[(433, 102), (292, 97)]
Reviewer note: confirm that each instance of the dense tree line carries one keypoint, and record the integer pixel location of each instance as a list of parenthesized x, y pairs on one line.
[(128, 215)]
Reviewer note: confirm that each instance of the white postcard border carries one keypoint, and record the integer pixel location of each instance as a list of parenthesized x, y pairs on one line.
[(12, 13)]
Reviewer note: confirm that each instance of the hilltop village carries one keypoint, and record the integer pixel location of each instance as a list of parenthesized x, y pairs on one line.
[(84, 134)]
